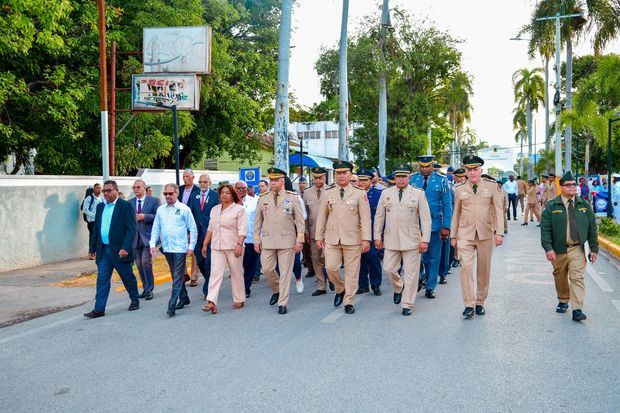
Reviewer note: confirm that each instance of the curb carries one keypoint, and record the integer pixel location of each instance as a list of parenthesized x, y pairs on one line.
[(160, 279), (609, 246)]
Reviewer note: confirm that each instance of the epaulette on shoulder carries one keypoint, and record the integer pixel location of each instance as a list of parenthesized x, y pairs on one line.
[(490, 180), (440, 174), (461, 184), (415, 186), (330, 187), (291, 192), (357, 187), (263, 194)]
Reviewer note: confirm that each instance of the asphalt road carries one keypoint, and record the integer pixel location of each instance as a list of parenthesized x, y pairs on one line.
[(521, 356)]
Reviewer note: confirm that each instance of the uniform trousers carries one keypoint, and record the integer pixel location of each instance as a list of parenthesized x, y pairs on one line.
[(444, 258), (284, 259), (430, 260), (370, 268), (568, 276), (144, 262), (318, 264), (250, 262), (194, 267), (480, 251), (350, 256), (178, 266), (408, 283), (219, 260), (107, 263), (520, 199), (505, 220), (532, 210)]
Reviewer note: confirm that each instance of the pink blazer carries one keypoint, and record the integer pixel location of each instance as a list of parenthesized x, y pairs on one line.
[(226, 226)]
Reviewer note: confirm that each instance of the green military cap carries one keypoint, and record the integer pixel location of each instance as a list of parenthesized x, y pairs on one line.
[(342, 166), (275, 173), (318, 171), (544, 176), (459, 172), (402, 169), (425, 160), (568, 176), (364, 173), (390, 179), (472, 161)]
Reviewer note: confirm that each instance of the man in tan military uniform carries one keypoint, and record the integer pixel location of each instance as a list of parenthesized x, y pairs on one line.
[(474, 233), (552, 189), (504, 196), (278, 235), (521, 192), (312, 199), (343, 229), (532, 209), (397, 228)]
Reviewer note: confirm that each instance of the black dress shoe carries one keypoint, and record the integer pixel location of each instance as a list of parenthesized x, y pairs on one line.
[(398, 296), (148, 296), (274, 298), (319, 292), (134, 306), (170, 313), (468, 312), (247, 295), (480, 310), (310, 275), (406, 311), (561, 308), (578, 315), (430, 294), (281, 309), (348, 309), (442, 279), (94, 314), (255, 279), (524, 224), (181, 304), (143, 295), (332, 287), (449, 272), (376, 290), (362, 290), (338, 299)]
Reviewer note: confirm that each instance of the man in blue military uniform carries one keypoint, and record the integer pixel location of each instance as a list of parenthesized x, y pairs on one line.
[(439, 198), (446, 250), (370, 268)]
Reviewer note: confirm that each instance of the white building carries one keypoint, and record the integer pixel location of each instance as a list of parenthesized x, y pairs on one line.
[(497, 157), (320, 138)]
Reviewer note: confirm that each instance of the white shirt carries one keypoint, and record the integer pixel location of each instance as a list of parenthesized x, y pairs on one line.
[(249, 204), (173, 222), (90, 208), (511, 187), (303, 207)]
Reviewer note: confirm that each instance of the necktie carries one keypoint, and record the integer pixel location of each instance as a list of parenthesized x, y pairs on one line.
[(139, 206), (202, 201), (475, 188), (341, 193), (425, 183), (275, 198), (572, 221), (400, 195), (318, 194)]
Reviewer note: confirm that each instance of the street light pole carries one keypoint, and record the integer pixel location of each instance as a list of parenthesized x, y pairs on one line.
[(610, 122), (175, 133), (343, 126), (103, 90)]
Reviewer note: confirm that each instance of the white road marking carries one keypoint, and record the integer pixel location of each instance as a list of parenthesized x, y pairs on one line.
[(616, 304), (600, 281), (339, 312)]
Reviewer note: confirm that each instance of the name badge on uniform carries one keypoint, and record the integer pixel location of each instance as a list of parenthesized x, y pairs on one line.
[(287, 207)]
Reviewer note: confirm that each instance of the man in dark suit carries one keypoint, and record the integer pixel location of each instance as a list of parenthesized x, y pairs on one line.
[(187, 193), (112, 242), (201, 206), (145, 208)]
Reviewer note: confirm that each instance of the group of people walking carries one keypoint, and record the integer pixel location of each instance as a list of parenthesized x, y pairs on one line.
[(415, 230)]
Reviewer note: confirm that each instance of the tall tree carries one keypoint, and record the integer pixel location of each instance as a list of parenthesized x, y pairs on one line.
[(529, 93), (457, 91)]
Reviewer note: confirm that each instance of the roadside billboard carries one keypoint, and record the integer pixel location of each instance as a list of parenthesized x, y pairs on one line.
[(161, 91), (177, 49)]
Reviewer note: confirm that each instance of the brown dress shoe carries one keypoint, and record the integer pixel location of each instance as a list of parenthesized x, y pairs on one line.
[(193, 283), (236, 306), (210, 307)]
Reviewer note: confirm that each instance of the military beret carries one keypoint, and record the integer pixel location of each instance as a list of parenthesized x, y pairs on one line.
[(568, 176), (364, 173), (472, 161), (402, 169), (302, 179), (342, 166), (436, 166), (450, 168), (318, 171), (425, 160), (390, 179), (275, 173)]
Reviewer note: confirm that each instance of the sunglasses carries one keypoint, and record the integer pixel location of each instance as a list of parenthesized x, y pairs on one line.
[(168, 193), (240, 187)]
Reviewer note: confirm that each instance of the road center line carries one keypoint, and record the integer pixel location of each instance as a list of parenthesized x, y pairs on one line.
[(339, 312), (600, 281)]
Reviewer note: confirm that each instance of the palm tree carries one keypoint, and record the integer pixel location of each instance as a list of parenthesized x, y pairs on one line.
[(603, 22), (519, 123), (529, 93), (456, 94)]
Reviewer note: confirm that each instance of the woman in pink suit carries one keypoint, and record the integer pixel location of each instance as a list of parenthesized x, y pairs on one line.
[(226, 234)]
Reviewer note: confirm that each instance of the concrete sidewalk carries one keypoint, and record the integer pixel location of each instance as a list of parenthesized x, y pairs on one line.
[(37, 291)]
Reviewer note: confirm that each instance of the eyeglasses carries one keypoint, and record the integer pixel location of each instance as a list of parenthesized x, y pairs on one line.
[(108, 190), (168, 193), (203, 182), (570, 185), (241, 187), (136, 187)]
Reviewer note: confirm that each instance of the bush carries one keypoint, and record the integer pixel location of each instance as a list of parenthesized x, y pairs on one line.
[(609, 227)]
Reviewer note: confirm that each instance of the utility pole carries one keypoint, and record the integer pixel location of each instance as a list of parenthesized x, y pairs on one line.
[(558, 83), (429, 142), (343, 125), (280, 130), (385, 22), (453, 146), (103, 90)]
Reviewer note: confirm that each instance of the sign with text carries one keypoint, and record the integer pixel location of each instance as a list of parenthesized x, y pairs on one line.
[(161, 91), (177, 49), (251, 176)]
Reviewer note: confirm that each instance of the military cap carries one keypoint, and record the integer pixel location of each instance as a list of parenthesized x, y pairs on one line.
[(302, 179), (318, 171), (342, 166), (425, 160), (551, 174), (472, 161), (402, 169), (390, 179), (436, 166), (364, 173), (544, 176), (568, 176), (275, 173), (450, 168), (459, 172)]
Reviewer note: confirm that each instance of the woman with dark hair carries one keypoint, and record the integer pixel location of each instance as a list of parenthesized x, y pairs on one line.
[(226, 234), (595, 188)]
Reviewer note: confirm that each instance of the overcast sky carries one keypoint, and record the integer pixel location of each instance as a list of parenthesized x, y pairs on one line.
[(485, 26)]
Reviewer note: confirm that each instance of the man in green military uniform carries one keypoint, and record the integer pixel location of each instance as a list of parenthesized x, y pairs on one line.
[(567, 223)]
